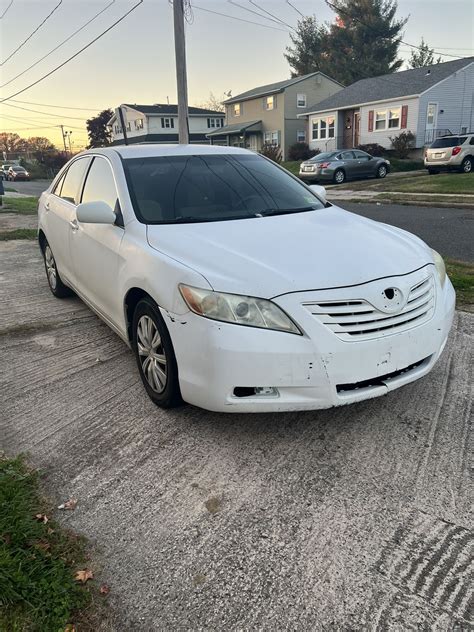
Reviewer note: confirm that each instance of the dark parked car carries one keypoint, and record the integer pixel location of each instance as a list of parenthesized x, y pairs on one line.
[(343, 164), (17, 173)]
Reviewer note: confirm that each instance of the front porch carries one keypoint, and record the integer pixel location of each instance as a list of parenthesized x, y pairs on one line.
[(247, 135)]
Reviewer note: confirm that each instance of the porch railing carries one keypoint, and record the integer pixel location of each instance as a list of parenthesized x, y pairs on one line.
[(432, 134)]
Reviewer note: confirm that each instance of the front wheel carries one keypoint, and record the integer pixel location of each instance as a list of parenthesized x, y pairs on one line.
[(466, 166), (339, 176), (55, 283), (381, 171), (155, 356)]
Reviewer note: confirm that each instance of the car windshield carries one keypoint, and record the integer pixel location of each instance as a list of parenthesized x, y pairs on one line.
[(452, 141), (212, 187), (18, 169), (326, 155)]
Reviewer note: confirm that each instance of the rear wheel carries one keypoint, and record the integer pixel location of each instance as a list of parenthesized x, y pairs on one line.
[(433, 172), (155, 356), (55, 283), (339, 176), (466, 166), (381, 171)]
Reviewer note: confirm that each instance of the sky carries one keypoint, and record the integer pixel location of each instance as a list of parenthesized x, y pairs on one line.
[(134, 62)]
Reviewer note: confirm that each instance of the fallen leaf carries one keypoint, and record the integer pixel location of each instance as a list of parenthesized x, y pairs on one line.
[(50, 531), (42, 518), (45, 546), (69, 504), (83, 576), (104, 589), (70, 628)]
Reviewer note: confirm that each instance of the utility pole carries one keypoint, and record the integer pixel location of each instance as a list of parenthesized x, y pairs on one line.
[(181, 78), (64, 138)]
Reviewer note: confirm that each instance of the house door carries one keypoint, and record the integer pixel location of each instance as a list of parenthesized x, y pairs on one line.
[(356, 128), (431, 117)]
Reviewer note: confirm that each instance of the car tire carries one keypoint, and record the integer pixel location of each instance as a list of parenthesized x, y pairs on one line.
[(339, 176), (466, 166), (57, 287), (381, 171), (433, 172), (155, 355)]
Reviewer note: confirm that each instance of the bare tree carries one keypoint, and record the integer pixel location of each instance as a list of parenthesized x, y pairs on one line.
[(213, 103)]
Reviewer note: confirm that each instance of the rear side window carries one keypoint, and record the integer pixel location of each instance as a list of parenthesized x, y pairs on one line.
[(452, 141), (59, 184), (100, 184), (347, 155), (73, 180)]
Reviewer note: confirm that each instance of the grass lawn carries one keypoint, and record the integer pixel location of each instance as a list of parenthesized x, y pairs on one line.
[(462, 278), (18, 233), (24, 206), (38, 560), (292, 165), (454, 183)]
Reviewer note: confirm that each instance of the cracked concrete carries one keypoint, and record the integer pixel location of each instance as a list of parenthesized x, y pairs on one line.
[(352, 518)]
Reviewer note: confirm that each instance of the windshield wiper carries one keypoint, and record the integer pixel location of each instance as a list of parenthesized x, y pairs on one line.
[(189, 219), (284, 211)]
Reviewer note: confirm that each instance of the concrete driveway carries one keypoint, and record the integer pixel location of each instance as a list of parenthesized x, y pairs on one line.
[(352, 518), (32, 187)]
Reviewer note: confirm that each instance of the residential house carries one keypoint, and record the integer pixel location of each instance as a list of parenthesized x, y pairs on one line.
[(158, 123), (430, 102), (269, 114)]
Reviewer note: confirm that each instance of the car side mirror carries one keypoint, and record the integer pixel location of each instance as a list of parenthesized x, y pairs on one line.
[(319, 190), (95, 213)]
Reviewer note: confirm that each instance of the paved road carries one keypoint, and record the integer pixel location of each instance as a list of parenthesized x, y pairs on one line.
[(450, 231), (35, 187), (354, 518)]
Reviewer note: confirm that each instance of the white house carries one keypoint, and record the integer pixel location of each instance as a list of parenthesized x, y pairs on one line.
[(158, 123), (430, 102)]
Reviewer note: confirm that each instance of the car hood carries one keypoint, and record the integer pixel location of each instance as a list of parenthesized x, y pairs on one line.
[(270, 256)]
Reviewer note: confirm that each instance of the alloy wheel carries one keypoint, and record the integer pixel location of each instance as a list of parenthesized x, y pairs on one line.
[(152, 354), (382, 172), (339, 177), (50, 268), (467, 166)]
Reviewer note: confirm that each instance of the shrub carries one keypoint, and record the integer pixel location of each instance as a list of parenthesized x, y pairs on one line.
[(402, 143), (301, 151), (273, 152), (374, 149)]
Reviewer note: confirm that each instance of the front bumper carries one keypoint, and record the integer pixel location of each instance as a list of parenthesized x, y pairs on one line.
[(313, 371)]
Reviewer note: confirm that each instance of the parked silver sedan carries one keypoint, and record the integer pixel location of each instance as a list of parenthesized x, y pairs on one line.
[(343, 164)]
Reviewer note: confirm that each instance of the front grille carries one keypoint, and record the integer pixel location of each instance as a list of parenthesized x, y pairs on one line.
[(382, 379), (358, 319)]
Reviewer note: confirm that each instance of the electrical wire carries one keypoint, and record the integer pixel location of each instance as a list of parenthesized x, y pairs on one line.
[(94, 17), (295, 8), (233, 17), (271, 15), (61, 107), (5, 12), (31, 34), (135, 6), (18, 107), (236, 4)]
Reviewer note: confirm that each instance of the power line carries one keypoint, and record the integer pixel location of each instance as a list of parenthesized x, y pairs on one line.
[(233, 17), (58, 46), (369, 26), (271, 15), (75, 54), (252, 11), (31, 34), (61, 107), (18, 107), (5, 12), (295, 8), (19, 120)]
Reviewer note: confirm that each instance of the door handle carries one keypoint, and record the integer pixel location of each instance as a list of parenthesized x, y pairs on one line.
[(74, 225), (46, 206)]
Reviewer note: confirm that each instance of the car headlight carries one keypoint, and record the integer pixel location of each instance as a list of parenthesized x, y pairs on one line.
[(440, 267), (240, 310)]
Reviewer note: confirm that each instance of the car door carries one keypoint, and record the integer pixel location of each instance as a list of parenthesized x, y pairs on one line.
[(95, 247), (60, 211), (365, 165), (350, 164)]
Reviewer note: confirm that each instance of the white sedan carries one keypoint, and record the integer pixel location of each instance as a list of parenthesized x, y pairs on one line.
[(238, 287)]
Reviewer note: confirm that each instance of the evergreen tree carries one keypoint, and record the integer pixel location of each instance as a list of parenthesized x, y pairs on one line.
[(97, 130), (423, 56)]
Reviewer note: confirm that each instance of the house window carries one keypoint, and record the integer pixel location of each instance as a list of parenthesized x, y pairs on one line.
[(300, 100), (300, 136), (394, 118), (167, 123), (269, 103), (236, 109), (324, 128), (271, 138), (139, 124), (430, 113), (381, 119), (214, 122)]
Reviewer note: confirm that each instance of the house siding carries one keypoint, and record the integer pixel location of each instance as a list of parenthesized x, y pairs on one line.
[(253, 110), (382, 137), (455, 96)]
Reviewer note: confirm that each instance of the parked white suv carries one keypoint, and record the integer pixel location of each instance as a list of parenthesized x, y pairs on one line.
[(238, 287), (451, 152)]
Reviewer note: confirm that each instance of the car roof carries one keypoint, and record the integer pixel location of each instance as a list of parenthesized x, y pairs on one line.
[(154, 149)]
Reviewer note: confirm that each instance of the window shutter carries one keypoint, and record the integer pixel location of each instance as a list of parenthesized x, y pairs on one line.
[(404, 116), (371, 120)]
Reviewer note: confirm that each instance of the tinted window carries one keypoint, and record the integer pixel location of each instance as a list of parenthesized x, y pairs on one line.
[(100, 184), (347, 155), (17, 169), (212, 188), (471, 142), (361, 155), (73, 179), (452, 141), (325, 155)]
